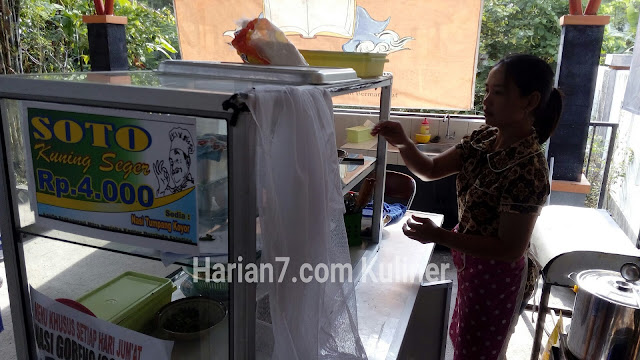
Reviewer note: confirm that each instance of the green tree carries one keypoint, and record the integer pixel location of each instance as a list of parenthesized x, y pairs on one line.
[(151, 34), (53, 37), (516, 26), (620, 34), (531, 26), (10, 40)]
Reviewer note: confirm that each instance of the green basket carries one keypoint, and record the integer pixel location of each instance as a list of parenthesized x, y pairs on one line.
[(353, 224)]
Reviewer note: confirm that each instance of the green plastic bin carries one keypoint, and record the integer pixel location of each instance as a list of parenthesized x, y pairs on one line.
[(130, 300), (353, 225), (365, 64)]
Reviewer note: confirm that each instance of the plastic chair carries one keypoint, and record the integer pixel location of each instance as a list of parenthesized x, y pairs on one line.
[(399, 187)]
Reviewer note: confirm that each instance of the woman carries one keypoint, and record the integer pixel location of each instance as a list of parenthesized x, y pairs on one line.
[(502, 183)]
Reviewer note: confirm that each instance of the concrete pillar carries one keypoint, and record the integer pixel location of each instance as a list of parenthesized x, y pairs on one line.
[(107, 42), (576, 75)]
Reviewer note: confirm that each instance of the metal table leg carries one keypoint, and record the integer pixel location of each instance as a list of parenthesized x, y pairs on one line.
[(542, 314)]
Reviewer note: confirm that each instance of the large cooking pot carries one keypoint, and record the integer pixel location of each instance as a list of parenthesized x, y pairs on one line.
[(606, 315)]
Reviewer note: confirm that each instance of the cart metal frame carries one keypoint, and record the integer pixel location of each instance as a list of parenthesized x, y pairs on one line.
[(64, 89)]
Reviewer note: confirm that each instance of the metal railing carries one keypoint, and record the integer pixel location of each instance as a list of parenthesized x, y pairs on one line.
[(607, 165)]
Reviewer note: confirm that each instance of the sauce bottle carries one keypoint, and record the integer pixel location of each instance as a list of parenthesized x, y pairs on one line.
[(424, 127)]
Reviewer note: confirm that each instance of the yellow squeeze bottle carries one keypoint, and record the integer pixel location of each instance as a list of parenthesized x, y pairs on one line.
[(424, 136), (424, 127)]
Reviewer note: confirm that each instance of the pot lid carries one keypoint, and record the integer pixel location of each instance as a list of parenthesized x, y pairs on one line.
[(611, 286)]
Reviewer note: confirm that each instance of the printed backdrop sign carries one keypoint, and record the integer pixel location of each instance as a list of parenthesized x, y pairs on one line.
[(64, 333), (114, 170), (431, 45)]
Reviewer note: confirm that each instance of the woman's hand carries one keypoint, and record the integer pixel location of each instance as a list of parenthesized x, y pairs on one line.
[(392, 131), (421, 229)]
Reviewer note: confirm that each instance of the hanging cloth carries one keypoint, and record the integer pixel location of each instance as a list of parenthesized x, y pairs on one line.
[(301, 216)]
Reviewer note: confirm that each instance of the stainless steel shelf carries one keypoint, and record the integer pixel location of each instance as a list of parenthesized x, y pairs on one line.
[(363, 84), (294, 75), (353, 177), (34, 231)]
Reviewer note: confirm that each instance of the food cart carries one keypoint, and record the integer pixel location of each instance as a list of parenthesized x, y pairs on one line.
[(101, 126)]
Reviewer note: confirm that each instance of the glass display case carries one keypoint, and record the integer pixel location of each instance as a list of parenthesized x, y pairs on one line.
[(143, 171)]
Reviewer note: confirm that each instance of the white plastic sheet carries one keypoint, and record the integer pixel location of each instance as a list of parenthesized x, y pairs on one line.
[(301, 212)]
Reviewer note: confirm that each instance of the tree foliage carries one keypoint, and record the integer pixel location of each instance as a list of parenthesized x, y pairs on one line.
[(521, 26), (531, 26), (620, 34), (151, 34), (54, 39), (517, 26), (51, 39), (9, 41)]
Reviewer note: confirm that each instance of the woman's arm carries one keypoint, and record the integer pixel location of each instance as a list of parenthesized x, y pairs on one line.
[(431, 168), (423, 166), (511, 243)]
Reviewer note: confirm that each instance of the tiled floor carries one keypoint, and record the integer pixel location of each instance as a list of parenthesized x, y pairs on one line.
[(7, 347), (521, 341)]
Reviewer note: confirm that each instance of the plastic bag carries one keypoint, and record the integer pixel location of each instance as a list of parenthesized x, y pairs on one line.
[(553, 338), (261, 42)]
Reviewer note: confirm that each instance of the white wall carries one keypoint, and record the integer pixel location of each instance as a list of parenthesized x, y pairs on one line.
[(458, 128), (623, 200)]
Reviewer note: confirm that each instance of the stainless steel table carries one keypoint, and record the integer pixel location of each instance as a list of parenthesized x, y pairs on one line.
[(388, 285), (385, 300)]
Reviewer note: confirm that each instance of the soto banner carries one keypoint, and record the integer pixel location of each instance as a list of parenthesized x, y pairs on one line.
[(115, 170)]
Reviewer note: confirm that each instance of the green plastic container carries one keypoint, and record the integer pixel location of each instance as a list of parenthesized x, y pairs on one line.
[(130, 300), (365, 64)]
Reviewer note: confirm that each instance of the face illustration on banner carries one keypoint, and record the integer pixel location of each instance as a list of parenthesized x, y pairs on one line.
[(120, 171), (178, 177), (179, 161)]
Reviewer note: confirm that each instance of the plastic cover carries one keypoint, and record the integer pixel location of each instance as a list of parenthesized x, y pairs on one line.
[(301, 212)]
